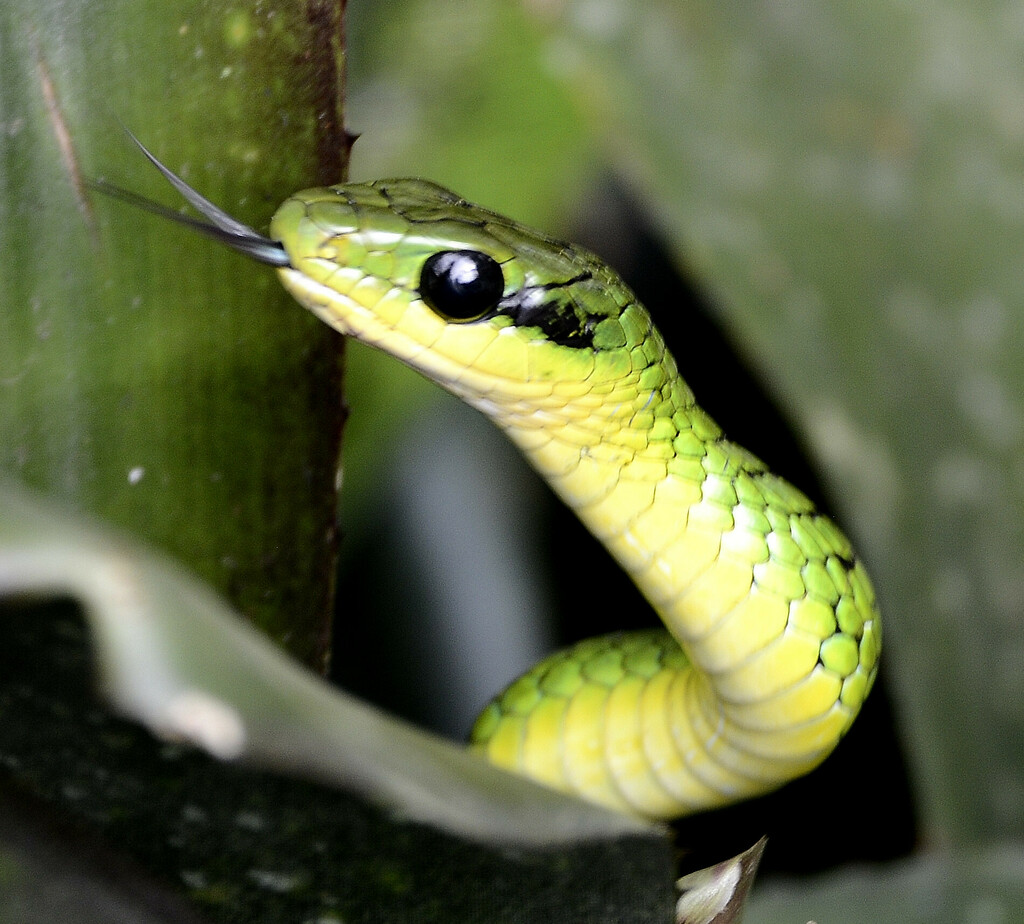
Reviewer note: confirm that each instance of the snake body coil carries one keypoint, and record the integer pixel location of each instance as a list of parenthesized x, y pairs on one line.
[(773, 633), (773, 636)]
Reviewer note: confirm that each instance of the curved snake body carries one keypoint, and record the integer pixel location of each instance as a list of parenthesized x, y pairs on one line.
[(772, 633)]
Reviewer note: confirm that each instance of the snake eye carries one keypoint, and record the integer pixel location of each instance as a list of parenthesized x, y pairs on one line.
[(461, 285)]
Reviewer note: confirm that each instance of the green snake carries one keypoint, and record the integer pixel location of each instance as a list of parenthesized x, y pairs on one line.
[(772, 635)]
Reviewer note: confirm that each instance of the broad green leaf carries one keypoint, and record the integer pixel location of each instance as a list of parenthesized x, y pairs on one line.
[(847, 180), (269, 829), (174, 657), (982, 883)]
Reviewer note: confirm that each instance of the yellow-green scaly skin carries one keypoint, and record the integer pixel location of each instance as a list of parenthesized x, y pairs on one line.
[(776, 632)]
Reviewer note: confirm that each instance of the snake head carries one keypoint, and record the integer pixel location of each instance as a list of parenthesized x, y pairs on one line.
[(511, 320), (472, 299)]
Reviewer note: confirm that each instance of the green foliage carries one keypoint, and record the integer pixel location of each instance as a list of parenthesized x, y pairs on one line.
[(845, 179)]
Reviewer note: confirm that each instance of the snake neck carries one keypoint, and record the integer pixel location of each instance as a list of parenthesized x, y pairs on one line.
[(762, 592)]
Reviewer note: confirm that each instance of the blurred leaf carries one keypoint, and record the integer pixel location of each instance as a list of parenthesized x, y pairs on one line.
[(248, 839), (848, 181), (49, 874), (968, 884), (176, 659)]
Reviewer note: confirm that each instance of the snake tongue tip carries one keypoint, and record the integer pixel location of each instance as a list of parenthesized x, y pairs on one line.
[(219, 225)]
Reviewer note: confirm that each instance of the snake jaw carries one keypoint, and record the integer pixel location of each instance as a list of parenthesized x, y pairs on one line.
[(416, 338)]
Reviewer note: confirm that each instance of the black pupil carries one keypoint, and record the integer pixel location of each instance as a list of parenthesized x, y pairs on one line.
[(461, 285)]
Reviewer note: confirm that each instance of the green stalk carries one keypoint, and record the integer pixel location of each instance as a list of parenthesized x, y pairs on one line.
[(146, 376)]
